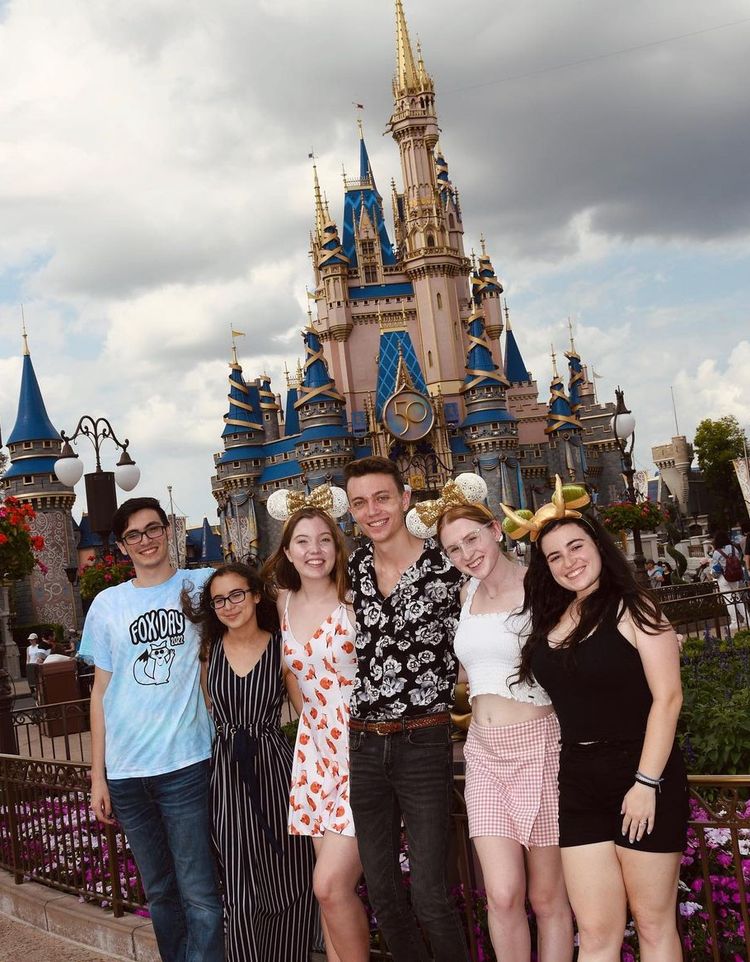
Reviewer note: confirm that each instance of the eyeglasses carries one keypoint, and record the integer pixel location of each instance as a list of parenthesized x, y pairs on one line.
[(236, 597), (152, 531), (467, 543)]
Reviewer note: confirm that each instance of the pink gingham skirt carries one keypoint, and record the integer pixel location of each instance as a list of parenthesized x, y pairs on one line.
[(511, 781)]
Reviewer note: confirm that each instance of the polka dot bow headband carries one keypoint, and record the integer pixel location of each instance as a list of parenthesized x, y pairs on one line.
[(467, 488), (281, 505)]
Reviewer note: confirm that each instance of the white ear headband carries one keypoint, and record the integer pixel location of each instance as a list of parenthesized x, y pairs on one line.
[(467, 488), (281, 505)]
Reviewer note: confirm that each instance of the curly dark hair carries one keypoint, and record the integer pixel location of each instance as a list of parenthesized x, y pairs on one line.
[(546, 601), (198, 609)]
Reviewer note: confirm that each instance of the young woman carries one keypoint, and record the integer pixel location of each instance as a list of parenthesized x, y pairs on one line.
[(319, 666), (610, 663), (511, 750), (266, 874)]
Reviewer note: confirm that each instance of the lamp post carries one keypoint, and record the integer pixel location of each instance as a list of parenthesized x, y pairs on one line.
[(101, 497), (623, 428)]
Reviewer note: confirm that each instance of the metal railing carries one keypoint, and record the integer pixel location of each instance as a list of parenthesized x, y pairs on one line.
[(49, 835), (695, 609), (58, 732), (716, 870)]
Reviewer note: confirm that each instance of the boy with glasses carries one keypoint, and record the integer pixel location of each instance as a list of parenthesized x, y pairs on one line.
[(406, 599), (151, 735)]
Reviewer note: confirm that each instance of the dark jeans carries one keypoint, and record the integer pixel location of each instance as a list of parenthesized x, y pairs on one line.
[(408, 775), (166, 821)]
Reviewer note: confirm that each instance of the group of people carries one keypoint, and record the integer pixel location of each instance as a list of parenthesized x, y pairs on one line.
[(575, 792)]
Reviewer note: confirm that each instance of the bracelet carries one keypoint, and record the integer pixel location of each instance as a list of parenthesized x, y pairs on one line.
[(648, 781)]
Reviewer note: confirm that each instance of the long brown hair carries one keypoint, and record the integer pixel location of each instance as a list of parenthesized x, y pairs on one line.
[(546, 601), (281, 572), (198, 609)]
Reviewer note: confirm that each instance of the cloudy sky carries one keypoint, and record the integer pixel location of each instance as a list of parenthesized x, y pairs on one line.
[(155, 190)]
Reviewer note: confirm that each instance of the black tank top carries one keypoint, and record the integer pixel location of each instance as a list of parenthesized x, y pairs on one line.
[(598, 689)]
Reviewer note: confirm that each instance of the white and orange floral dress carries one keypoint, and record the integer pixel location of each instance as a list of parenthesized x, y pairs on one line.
[(324, 667)]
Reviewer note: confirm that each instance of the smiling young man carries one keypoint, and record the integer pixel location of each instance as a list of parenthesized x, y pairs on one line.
[(151, 736), (406, 599)]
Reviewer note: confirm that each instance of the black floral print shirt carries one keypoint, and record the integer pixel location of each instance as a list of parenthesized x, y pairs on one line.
[(405, 663)]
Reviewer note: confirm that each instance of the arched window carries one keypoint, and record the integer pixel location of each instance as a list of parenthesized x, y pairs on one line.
[(439, 300), (430, 240), (429, 358), (451, 222)]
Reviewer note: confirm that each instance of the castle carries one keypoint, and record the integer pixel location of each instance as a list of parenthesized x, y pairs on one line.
[(405, 356), (410, 354)]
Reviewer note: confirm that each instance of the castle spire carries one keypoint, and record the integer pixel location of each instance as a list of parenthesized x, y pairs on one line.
[(316, 383), (32, 420), (243, 416), (515, 366), (481, 370), (320, 209), (576, 378), (407, 79), (560, 417)]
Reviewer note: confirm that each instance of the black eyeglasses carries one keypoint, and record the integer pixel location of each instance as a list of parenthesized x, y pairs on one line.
[(152, 531), (236, 597)]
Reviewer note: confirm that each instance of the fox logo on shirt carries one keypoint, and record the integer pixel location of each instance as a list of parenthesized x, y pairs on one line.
[(152, 666)]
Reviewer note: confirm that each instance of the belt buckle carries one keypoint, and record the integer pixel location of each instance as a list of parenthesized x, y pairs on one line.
[(381, 728)]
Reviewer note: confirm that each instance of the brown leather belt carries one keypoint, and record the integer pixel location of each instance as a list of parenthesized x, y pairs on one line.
[(392, 726)]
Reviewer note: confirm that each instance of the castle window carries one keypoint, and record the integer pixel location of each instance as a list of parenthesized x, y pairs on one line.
[(27, 445), (368, 247), (286, 455), (46, 444), (451, 221), (28, 479), (429, 358), (235, 464), (439, 299), (371, 273), (430, 240)]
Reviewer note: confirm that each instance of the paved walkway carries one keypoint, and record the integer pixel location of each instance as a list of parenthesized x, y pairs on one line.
[(21, 941)]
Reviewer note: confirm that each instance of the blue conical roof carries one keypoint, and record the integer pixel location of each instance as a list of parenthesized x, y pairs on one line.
[(515, 367), (291, 418), (317, 382), (32, 420), (361, 194), (559, 416), (481, 370), (244, 405), (575, 380)]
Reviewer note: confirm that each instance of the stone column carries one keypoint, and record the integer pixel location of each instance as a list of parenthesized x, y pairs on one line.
[(9, 647)]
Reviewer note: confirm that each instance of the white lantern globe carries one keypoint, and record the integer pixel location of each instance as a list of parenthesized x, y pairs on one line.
[(69, 469), (623, 425)]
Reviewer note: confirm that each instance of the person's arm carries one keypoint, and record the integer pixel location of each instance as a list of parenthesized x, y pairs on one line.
[(100, 802), (661, 663), (292, 690)]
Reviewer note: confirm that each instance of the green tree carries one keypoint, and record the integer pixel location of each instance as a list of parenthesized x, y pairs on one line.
[(717, 444)]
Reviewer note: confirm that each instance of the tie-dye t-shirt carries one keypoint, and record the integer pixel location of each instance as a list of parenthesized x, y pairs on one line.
[(154, 714)]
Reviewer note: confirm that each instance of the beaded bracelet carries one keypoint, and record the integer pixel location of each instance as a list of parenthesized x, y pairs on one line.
[(648, 781)]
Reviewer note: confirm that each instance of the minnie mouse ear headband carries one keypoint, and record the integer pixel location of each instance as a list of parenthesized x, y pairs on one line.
[(523, 522), (467, 488), (281, 505)]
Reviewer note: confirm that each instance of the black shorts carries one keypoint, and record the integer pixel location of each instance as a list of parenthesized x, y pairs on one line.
[(594, 779)]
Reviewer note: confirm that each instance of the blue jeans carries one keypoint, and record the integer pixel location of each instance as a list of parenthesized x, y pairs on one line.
[(166, 821), (407, 775)]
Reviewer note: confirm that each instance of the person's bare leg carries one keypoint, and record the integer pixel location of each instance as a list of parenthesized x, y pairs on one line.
[(504, 875), (596, 889), (337, 872), (651, 884), (549, 900)]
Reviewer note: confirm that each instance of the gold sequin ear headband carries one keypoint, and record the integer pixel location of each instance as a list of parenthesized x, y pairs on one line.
[(281, 505), (566, 498), (467, 488)]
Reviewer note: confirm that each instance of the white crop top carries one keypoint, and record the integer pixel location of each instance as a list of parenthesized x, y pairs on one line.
[(489, 647)]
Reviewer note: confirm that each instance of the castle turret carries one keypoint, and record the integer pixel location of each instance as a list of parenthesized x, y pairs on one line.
[(567, 453), (34, 445), (324, 445), (270, 408), (489, 429)]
